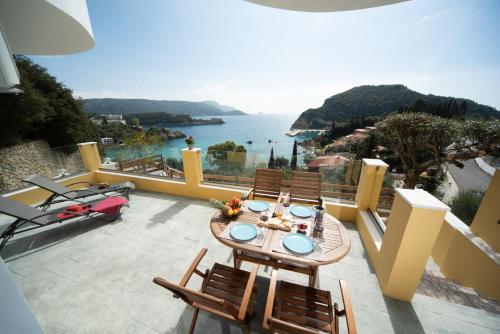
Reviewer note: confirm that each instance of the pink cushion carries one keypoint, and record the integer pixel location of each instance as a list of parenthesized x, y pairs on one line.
[(109, 206)]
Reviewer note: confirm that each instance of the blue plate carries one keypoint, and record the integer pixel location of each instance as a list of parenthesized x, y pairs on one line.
[(243, 232), (258, 206), (301, 211), (298, 243)]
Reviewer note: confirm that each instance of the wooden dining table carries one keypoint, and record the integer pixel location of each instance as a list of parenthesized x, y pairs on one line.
[(267, 249)]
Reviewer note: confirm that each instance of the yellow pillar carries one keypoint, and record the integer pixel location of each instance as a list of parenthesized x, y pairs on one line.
[(90, 156), (412, 229), (370, 183), (486, 223), (193, 170)]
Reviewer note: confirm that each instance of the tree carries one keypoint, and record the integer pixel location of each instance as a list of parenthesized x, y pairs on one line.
[(308, 158), (422, 140), (271, 160), (142, 143), (332, 129), (45, 110), (293, 163), (224, 163), (465, 204), (135, 122), (281, 163), (219, 151)]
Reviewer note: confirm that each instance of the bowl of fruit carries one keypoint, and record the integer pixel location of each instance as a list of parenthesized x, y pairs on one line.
[(229, 209)]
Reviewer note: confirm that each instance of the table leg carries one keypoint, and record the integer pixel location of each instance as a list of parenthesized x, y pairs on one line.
[(313, 276)]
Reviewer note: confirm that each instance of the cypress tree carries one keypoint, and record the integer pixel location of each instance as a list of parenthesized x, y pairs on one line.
[(293, 162), (271, 160)]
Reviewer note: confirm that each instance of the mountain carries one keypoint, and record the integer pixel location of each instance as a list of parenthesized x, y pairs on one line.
[(376, 101), (136, 106), (165, 119), (221, 107)]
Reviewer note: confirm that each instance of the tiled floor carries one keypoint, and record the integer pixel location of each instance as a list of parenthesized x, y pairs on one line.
[(434, 284), (93, 277)]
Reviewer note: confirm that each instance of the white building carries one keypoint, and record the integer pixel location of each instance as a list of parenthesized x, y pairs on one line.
[(107, 141)]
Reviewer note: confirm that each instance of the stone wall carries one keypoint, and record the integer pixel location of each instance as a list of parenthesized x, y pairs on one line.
[(36, 157)]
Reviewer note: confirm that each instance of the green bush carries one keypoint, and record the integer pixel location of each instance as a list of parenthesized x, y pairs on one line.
[(465, 204)]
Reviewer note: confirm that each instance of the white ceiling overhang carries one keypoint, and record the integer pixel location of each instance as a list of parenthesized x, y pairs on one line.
[(46, 27), (324, 5), (40, 27)]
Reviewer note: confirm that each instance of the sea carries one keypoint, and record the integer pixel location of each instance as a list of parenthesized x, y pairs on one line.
[(264, 131)]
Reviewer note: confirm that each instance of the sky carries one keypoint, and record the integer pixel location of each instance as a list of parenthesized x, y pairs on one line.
[(261, 59)]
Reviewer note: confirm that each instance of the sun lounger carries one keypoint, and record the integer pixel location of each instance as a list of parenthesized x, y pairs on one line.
[(30, 218), (61, 193)]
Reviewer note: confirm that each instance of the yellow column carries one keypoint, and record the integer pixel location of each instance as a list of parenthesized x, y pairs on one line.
[(412, 229), (90, 156), (486, 223), (370, 183), (193, 171)]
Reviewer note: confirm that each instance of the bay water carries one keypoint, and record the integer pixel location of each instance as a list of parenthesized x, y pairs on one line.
[(264, 131)]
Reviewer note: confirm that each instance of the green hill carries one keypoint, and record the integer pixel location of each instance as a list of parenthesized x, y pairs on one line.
[(364, 101), (138, 106), (46, 109)]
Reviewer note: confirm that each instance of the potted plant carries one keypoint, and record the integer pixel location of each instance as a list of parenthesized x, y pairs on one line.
[(190, 141)]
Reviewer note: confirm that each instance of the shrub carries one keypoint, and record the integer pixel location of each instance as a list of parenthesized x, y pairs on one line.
[(465, 204)]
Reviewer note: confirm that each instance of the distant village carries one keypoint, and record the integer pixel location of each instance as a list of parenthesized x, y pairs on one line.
[(108, 119), (341, 158)]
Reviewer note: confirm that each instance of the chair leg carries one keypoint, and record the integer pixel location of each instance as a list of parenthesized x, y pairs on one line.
[(313, 277), (236, 261), (193, 321)]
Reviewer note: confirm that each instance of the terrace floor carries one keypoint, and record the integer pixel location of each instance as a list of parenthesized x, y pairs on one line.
[(93, 277)]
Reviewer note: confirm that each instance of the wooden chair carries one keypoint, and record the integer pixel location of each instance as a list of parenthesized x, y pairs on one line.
[(305, 187), (296, 309), (225, 292), (267, 183)]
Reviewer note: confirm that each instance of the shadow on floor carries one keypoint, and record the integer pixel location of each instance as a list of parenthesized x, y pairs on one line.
[(403, 317), (208, 323), (50, 236), (168, 213)]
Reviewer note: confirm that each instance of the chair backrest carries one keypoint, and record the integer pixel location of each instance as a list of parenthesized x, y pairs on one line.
[(46, 184), (305, 187), (267, 182), (198, 299), (17, 209)]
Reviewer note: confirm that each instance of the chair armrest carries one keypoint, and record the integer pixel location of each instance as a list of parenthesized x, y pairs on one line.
[(81, 182), (351, 323), (252, 191), (193, 268), (248, 292), (268, 313)]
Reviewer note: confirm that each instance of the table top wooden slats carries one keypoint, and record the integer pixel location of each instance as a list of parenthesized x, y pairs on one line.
[(335, 242)]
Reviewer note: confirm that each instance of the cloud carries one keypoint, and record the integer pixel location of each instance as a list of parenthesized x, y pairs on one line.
[(434, 16), (104, 93), (268, 99), (214, 89)]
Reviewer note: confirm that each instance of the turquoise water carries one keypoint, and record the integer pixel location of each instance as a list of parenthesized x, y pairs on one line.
[(240, 129)]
